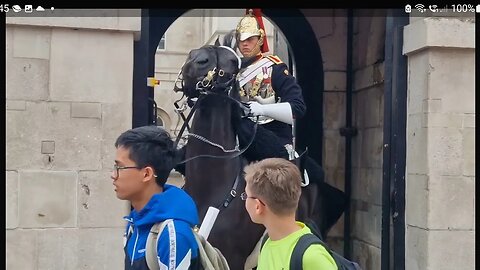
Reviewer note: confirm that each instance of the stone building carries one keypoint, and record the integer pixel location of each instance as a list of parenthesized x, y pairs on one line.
[(72, 89)]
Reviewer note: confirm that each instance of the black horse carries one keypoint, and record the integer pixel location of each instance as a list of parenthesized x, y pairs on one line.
[(213, 160)]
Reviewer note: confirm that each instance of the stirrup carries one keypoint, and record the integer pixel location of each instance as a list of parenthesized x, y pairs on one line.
[(305, 179)]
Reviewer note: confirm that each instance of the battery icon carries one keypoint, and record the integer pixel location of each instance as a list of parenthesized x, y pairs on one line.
[(478, 8)]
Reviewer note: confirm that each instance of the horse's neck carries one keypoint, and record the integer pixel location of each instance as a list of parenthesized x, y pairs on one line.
[(213, 118), (212, 121)]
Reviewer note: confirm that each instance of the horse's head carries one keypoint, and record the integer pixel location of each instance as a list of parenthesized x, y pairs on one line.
[(210, 69)]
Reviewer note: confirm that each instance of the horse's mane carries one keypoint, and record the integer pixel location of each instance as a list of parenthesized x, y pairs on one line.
[(230, 40)]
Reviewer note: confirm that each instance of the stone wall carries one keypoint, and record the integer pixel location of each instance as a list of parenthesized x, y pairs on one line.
[(440, 173), (369, 40), (440, 150), (331, 35), (367, 146), (68, 96)]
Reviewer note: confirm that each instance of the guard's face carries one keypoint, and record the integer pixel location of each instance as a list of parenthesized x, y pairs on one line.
[(250, 46), (127, 178)]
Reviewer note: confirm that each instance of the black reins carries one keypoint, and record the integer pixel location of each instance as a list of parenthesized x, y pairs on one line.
[(212, 156)]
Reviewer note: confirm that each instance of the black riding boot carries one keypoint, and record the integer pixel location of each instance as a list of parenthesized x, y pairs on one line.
[(265, 144)]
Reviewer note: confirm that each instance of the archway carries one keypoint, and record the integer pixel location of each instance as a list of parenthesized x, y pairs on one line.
[(304, 49), (306, 53)]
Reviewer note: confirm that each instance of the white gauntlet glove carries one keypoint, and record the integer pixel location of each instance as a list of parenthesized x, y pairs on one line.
[(269, 100), (256, 109), (278, 111)]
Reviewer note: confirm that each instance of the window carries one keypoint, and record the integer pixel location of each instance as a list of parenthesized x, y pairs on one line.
[(161, 44)]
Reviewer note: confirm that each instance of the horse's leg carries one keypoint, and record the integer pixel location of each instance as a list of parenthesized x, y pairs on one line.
[(334, 203), (331, 202), (308, 206)]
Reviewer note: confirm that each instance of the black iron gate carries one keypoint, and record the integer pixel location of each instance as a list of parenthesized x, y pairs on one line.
[(394, 139)]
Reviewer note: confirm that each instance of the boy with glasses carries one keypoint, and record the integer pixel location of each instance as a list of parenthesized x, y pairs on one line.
[(271, 198), (144, 159)]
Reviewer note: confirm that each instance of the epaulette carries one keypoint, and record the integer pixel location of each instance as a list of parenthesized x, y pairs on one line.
[(275, 59)]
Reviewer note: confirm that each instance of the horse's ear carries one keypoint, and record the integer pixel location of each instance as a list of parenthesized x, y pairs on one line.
[(217, 41), (230, 40)]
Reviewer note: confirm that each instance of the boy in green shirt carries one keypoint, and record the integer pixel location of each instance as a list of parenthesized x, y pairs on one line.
[(271, 198)]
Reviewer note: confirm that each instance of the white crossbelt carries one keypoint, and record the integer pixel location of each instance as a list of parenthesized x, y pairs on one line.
[(252, 71)]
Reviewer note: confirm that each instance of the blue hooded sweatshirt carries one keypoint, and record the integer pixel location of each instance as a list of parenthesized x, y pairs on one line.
[(177, 248)]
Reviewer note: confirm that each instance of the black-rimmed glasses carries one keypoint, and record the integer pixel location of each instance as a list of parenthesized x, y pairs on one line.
[(244, 197), (116, 169)]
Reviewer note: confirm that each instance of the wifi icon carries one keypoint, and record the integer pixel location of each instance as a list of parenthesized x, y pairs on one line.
[(420, 7)]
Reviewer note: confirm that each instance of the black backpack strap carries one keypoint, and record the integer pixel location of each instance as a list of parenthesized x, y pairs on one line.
[(264, 240), (297, 254)]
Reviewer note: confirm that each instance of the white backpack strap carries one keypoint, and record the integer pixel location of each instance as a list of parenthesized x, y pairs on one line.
[(210, 257), (202, 255), (151, 254), (252, 260)]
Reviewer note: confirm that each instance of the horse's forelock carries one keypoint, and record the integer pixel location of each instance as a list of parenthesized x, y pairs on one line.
[(239, 61), (230, 40)]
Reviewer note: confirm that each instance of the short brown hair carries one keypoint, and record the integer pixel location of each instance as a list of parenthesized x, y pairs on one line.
[(277, 182)]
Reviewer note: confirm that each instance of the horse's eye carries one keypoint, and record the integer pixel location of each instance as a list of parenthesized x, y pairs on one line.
[(203, 61)]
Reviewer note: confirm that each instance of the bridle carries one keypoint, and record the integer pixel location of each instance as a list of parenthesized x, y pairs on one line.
[(211, 85), (205, 86)]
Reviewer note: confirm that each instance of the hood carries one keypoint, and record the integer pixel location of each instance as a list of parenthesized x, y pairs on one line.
[(172, 203)]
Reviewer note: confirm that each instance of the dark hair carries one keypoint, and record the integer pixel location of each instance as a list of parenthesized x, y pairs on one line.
[(150, 146)]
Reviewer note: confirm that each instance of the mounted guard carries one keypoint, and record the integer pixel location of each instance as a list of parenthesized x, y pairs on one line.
[(268, 87)]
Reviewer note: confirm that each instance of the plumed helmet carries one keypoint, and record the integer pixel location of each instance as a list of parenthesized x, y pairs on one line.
[(252, 25)]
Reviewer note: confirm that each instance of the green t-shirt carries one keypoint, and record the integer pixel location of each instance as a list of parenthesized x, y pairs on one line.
[(275, 255)]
